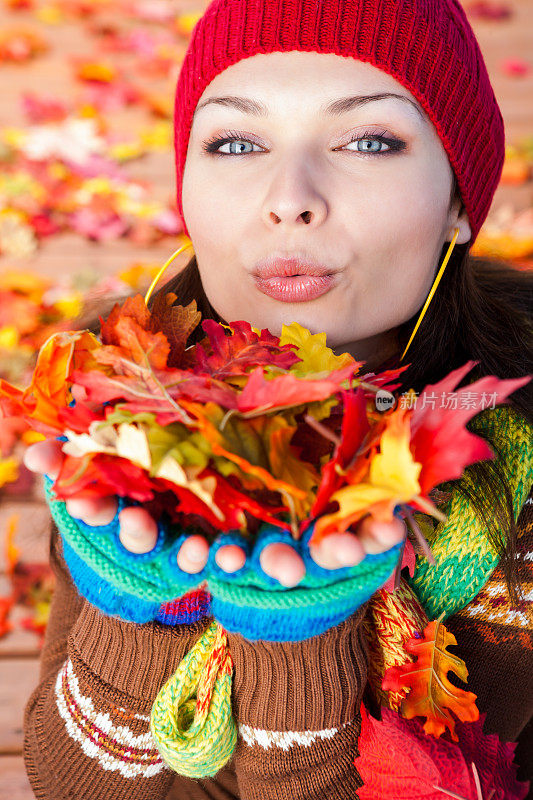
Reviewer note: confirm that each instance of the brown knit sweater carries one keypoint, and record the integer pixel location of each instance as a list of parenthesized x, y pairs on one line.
[(87, 729)]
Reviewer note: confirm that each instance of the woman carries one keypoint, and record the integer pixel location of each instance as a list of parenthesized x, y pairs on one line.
[(322, 190)]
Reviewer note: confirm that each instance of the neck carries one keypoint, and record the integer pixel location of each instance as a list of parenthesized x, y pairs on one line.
[(374, 351)]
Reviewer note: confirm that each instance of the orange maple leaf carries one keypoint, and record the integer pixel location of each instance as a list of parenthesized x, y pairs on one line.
[(126, 333), (431, 694), (49, 391)]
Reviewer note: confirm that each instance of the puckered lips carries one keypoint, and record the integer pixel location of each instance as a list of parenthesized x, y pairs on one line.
[(293, 280)]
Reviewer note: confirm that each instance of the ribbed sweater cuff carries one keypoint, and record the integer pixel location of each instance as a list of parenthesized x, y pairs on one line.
[(143, 656), (297, 706), (316, 683)]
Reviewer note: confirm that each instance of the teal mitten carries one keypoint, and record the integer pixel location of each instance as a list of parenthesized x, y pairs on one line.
[(134, 587), (257, 606)]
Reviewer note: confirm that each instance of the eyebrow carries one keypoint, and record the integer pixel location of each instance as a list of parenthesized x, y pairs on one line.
[(337, 107)]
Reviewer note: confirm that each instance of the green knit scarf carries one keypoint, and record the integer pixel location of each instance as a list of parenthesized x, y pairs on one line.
[(464, 556)]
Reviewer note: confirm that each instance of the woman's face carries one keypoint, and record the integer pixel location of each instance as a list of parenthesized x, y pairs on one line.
[(363, 189)]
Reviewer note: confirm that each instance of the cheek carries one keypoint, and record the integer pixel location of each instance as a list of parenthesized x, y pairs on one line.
[(215, 208), (202, 207), (396, 258)]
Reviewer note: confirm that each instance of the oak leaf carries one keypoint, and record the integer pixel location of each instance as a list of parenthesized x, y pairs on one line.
[(176, 322), (431, 694)]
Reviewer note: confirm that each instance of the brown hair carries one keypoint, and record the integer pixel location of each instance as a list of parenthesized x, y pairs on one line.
[(481, 311)]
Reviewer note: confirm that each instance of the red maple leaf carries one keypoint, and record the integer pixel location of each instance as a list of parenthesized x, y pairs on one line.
[(439, 439), (102, 475), (288, 390), (354, 428), (242, 350), (397, 759)]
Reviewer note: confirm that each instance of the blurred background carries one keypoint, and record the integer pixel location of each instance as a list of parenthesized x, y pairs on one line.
[(87, 216)]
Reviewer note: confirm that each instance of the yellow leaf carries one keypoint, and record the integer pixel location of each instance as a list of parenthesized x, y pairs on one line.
[(50, 15), (157, 136), (393, 467), (138, 275), (312, 349), (71, 305), (124, 151), (127, 441), (97, 71), (358, 499), (26, 283), (392, 479), (9, 337), (186, 22), (30, 437), (132, 444), (9, 471)]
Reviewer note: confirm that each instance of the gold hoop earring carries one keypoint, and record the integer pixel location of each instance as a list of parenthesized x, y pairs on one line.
[(432, 290), (165, 266)]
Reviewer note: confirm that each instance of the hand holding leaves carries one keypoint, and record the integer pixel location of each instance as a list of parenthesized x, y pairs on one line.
[(138, 532), (239, 429)]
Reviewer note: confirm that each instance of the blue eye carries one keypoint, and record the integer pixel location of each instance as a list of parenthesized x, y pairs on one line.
[(393, 145), (237, 145), (235, 141), (372, 140)]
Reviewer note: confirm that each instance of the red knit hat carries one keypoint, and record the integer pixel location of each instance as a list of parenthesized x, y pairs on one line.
[(426, 45)]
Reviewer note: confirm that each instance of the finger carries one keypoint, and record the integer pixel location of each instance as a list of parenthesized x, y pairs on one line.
[(377, 536), (282, 562), (338, 550), (45, 458), (138, 530), (193, 554), (230, 557), (94, 510)]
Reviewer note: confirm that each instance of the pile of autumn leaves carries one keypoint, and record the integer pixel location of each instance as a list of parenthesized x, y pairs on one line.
[(241, 427)]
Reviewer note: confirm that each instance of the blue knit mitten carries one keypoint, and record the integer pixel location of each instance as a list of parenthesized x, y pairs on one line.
[(257, 606), (118, 582)]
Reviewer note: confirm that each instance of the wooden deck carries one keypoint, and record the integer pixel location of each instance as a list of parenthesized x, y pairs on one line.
[(19, 649)]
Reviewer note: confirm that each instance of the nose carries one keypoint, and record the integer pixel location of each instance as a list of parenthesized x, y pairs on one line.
[(294, 197)]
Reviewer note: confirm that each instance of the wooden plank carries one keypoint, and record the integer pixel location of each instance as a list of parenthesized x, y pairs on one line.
[(14, 784), (18, 677)]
